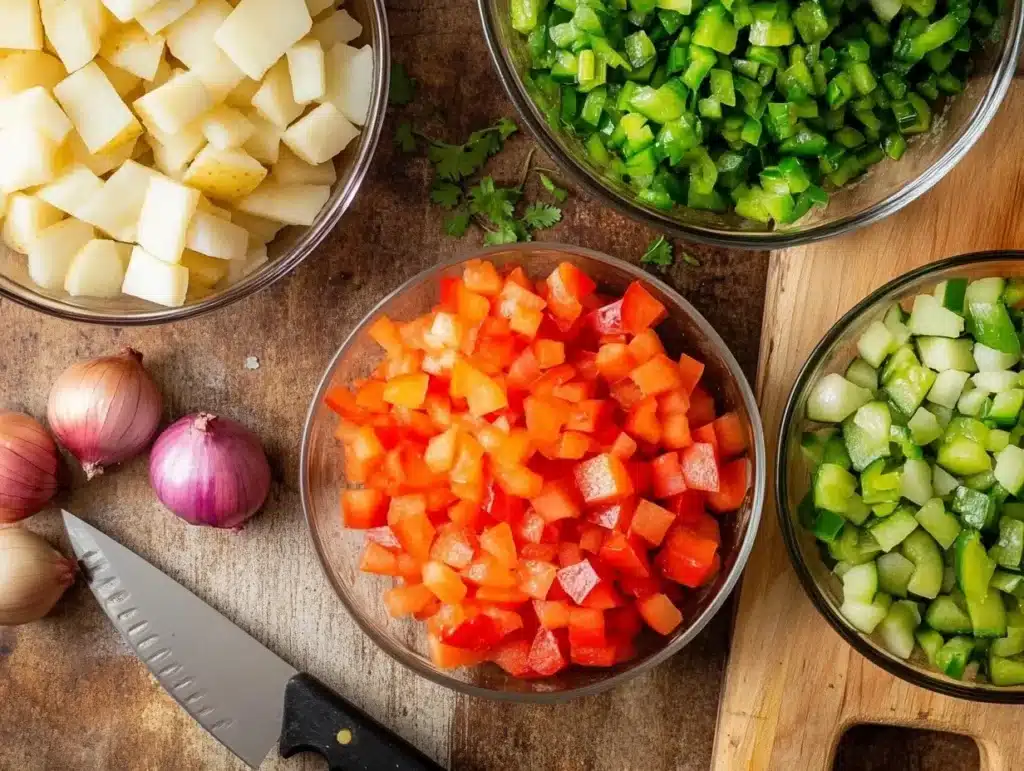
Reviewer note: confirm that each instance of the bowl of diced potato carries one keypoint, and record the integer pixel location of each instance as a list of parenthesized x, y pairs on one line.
[(162, 158)]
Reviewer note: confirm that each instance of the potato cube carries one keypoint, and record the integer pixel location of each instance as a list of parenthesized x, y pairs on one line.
[(21, 27), (116, 207), (290, 204), (339, 27), (100, 163), (211, 208), (175, 104), (163, 14), (51, 252), (133, 49), (96, 270), (152, 279), (99, 115), (190, 40), (274, 99), (241, 95), (225, 174), (306, 67), (215, 237), (26, 217), (316, 7), (173, 152), (350, 81), (239, 269), (27, 158), (259, 32), (292, 170), (73, 31), (126, 10), (36, 109), (166, 213), (73, 192), (24, 69), (225, 127), (265, 143), (124, 82), (320, 135), (202, 270), (163, 73), (261, 231)]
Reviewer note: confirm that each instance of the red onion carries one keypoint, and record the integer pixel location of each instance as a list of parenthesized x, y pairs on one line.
[(105, 411), (28, 466), (210, 471)]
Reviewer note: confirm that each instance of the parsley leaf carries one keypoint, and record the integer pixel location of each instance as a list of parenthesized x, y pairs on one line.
[(403, 88), (404, 138), (541, 215), (456, 224), (658, 253), (556, 192), (446, 194), (506, 234)]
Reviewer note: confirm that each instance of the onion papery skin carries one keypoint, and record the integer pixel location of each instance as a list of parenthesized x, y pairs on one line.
[(210, 471), (105, 411), (28, 466)]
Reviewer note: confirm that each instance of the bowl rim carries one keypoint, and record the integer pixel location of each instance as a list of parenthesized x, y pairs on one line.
[(759, 481), (274, 271), (899, 669), (585, 177)]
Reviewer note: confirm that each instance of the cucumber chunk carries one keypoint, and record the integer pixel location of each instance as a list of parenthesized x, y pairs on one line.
[(945, 616), (939, 523), (1009, 470), (994, 382), (947, 388), (863, 374), (834, 398), (964, 456), (951, 294), (973, 507), (953, 656), (1004, 671), (930, 642), (897, 628), (863, 616), (924, 426), (991, 360), (1009, 549), (943, 482), (993, 327), (988, 614), (921, 549), (929, 317), (876, 343), (891, 531), (894, 572), (974, 568), (833, 488), (941, 354), (916, 482), (860, 583), (908, 387)]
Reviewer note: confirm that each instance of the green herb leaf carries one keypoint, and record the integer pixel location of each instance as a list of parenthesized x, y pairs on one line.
[(497, 204), (556, 192), (689, 259), (541, 215), (658, 253), (446, 194), (506, 127), (506, 234), (456, 224), (404, 138), (403, 88)]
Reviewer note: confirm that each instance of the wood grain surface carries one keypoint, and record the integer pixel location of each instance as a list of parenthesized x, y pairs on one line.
[(793, 685), (71, 694)]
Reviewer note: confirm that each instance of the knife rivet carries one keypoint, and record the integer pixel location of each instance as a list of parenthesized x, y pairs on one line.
[(344, 736)]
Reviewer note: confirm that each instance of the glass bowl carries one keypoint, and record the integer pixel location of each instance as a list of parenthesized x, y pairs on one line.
[(793, 473), (289, 248), (888, 186), (322, 478)]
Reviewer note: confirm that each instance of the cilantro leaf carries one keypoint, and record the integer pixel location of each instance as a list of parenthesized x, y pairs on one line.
[(456, 223), (556, 192), (403, 88), (506, 234), (497, 204), (658, 253), (404, 138), (506, 127), (455, 162), (446, 194), (541, 215)]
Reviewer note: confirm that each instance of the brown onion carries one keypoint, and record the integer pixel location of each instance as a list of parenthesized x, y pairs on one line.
[(28, 466), (105, 411), (33, 576)]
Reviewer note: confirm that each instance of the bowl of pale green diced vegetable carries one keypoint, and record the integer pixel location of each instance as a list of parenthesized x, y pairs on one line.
[(901, 477), (755, 123)]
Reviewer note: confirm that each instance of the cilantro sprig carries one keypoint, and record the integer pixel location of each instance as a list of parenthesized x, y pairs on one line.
[(661, 253)]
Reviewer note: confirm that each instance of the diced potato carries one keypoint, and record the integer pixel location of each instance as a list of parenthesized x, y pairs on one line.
[(290, 204), (99, 115), (150, 278), (133, 49), (241, 95), (96, 270), (124, 82), (265, 143), (27, 158), (225, 174), (100, 163), (173, 152), (126, 10), (339, 27), (163, 73), (259, 32), (261, 231), (72, 30), (21, 27), (27, 216), (190, 40), (211, 208), (74, 192), (215, 237), (306, 67), (166, 213), (316, 7), (25, 69), (203, 270), (320, 135), (239, 269), (292, 170), (350, 81), (116, 207), (50, 254), (175, 104), (3, 203), (163, 14), (36, 109), (274, 99), (225, 127)]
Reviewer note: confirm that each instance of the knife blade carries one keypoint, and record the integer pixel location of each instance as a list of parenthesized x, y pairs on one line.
[(247, 697)]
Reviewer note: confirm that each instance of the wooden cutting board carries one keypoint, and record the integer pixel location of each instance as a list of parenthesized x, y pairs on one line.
[(793, 686)]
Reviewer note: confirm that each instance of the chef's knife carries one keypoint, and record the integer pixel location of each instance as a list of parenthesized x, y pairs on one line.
[(236, 689)]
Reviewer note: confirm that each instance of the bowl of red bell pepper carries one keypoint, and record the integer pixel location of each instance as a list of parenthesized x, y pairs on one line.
[(533, 473)]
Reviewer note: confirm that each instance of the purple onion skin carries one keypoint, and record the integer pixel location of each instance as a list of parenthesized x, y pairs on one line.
[(210, 471)]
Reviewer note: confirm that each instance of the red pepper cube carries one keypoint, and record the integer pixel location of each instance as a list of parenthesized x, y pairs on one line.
[(552, 614), (570, 445), (586, 627), (690, 370), (378, 560), (687, 558), (606, 320), (733, 481), (603, 597), (524, 371), (513, 656), (487, 571), (578, 580), (549, 353), (707, 435), (547, 653), (626, 555), (482, 277), (507, 621), (454, 546), (343, 402), (702, 408), (603, 479), (640, 310), (545, 552), (569, 553), (363, 509), (415, 532), (531, 527), (444, 583), (440, 453), (593, 655), (496, 595), (449, 657), (407, 600), (731, 433), (651, 522), (471, 306), (700, 467), (616, 516), (483, 394), (384, 536), (565, 287), (660, 614), (555, 502), (544, 418), (639, 586), (587, 415), (675, 401), (499, 543), (675, 431), (641, 475), (624, 446), (645, 346), (591, 538), (478, 632), (385, 333), (667, 475), (688, 506), (536, 578), (614, 361)]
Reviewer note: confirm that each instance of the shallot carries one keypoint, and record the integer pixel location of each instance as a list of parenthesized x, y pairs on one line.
[(33, 576), (28, 466)]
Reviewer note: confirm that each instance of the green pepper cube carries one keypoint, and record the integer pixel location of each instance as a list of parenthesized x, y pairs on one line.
[(715, 29), (639, 48)]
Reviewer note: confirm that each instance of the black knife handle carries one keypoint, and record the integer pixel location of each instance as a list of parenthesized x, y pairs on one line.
[(316, 719)]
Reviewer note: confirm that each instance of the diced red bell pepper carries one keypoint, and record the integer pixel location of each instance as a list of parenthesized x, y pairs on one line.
[(660, 614), (406, 600), (593, 655), (625, 555), (641, 475), (343, 402), (616, 516), (499, 595), (667, 477), (607, 319), (732, 435), (444, 582), (454, 546), (544, 418), (702, 408), (555, 502), (440, 452), (624, 446), (513, 656), (551, 379), (487, 571), (586, 627), (707, 435), (449, 657), (614, 361), (414, 531), (524, 371), (651, 522), (733, 482), (676, 401), (690, 370), (686, 557), (566, 286), (569, 553), (626, 393), (370, 397), (531, 527), (465, 514), (603, 597), (688, 506), (643, 422), (578, 580), (385, 333), (477, 632), (363, 508), (482, 277), (507, 621), (547, 653), (471, 306), (545, 552), (549, 353), (587, 415), (483, 394), (640, 309), (552, 614), (499, 543), (376, 559), (536, 577), (646, 346), (638, 586), (675, 431), (574, 391), (700, 467), (570, 445), (384, 536), (449, 293), (591, 538)]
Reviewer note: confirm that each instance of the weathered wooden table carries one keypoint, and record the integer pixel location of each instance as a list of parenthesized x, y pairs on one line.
[(72, 696)]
